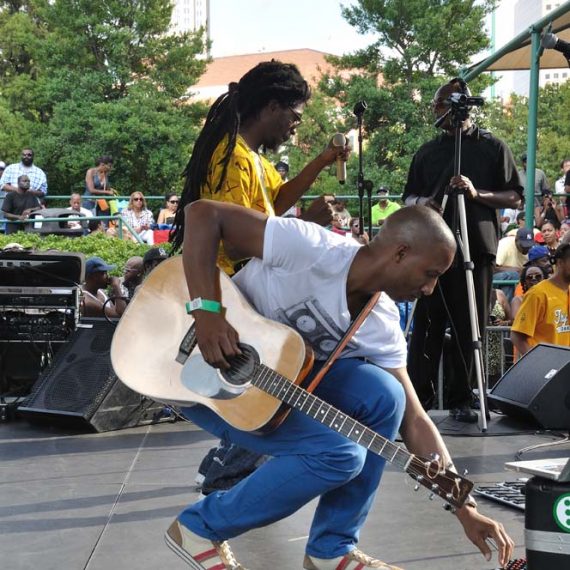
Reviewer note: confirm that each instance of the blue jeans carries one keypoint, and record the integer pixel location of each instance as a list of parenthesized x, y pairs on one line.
[(309, 460), (508, 290)]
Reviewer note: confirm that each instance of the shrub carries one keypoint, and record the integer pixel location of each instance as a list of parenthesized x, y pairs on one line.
[(112, 250)]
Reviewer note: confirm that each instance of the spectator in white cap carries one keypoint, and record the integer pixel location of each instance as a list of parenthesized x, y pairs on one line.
[(383, 208), (512, 254)]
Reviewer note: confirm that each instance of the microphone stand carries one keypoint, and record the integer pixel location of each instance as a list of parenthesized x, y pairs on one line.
[(362, 184)]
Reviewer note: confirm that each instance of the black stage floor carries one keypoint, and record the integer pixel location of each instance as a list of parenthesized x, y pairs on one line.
[(71, 501)]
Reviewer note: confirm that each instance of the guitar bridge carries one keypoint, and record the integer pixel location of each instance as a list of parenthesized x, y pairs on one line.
[(187, 345)]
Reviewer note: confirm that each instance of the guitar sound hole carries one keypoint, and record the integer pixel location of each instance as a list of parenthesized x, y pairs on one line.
[(242, 367)]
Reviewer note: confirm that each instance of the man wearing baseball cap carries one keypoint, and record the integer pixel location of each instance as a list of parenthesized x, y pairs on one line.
[(383, 208), (511, 257), (96, 302)]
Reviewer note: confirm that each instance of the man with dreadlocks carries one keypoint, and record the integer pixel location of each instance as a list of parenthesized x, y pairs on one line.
[(262, 111)]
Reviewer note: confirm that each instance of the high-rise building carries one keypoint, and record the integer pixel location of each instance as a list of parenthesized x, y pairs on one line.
[(190, 15)]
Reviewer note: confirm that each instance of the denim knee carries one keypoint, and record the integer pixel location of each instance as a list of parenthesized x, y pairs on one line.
[(338, 465)]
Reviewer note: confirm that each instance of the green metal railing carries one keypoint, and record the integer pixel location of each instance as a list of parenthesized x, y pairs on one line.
[(121, 223)]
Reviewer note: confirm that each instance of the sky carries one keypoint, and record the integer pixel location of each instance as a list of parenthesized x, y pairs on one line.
[(255, 26)]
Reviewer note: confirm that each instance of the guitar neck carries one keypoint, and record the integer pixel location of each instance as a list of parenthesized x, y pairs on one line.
[(284, 390)]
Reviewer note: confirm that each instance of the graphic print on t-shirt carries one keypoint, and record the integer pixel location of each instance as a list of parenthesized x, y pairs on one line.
[(315, 325)]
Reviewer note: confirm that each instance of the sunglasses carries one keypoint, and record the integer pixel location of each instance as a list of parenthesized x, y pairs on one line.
[(173, 201), (298, 118), (534, 277), (138, 199)]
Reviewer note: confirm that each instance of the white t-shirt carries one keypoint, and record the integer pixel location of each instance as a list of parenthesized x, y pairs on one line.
[(301, 282)]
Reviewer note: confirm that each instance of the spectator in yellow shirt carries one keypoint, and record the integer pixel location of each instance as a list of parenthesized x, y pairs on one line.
[(543, 315), (262, 111)]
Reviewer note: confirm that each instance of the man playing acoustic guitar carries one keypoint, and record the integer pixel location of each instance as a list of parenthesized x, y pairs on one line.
[(317, 283)]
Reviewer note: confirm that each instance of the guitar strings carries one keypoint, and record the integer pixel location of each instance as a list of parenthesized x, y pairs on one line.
[(417, 467)]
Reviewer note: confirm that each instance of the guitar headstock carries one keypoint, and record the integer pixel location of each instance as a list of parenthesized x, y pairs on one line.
[(451, 487)]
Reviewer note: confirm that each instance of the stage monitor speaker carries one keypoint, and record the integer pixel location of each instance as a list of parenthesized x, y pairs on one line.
[(80, 388), (537, 388)]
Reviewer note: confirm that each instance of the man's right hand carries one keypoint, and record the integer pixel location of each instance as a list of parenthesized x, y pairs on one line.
[(320, 211), (217, 339)]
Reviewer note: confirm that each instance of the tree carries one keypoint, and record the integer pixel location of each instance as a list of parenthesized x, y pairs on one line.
[(421, 44), (509, 121), (91, 78)]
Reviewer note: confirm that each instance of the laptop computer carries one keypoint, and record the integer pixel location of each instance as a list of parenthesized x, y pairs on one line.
[(557, 469)]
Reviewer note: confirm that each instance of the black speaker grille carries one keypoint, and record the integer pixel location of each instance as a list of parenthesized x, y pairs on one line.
[(534, 370), (81, 374)]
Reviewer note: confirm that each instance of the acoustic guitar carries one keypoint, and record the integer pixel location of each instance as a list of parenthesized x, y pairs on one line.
[(154, 352)]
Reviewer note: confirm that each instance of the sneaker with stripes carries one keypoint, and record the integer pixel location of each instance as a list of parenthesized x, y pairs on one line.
[(200, 553), (354, 560)]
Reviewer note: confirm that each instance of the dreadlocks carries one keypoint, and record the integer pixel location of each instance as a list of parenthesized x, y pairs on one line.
[(267, 81)]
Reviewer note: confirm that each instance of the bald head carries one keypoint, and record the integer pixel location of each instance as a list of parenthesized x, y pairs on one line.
[(419, 227), (133, 270)]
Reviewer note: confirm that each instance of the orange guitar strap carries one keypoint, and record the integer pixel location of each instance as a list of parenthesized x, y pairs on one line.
[(343, 342)]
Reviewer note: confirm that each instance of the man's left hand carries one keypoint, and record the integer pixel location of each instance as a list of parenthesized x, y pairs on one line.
[(465, 184), (480, 529), (320, 211)]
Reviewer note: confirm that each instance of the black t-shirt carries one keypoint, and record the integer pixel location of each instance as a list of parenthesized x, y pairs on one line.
[(567, 183), (16, 203), (486, 161)]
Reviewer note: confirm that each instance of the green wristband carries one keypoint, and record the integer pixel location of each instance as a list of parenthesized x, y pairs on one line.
[(204, 305)]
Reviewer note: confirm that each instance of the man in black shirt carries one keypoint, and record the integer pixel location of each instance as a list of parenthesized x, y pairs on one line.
[(490, 181), (19, 205)]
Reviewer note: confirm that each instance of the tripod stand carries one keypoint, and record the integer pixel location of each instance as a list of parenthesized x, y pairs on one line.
[(458, 113)]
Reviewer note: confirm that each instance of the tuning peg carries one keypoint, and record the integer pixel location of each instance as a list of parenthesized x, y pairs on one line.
[(435, 487), (431, 496), (435, 456), (419, 478), (450, 508), (416, 487), (465, 472), (449, 496)]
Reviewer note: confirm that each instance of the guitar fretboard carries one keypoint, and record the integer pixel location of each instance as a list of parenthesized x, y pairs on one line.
[(284, 390)]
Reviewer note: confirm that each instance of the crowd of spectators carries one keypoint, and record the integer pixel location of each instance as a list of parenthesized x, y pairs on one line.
[(23, 191)]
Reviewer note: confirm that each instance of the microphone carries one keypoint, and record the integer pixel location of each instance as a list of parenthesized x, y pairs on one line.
[(551, 41), (360, 107), (339, 140)]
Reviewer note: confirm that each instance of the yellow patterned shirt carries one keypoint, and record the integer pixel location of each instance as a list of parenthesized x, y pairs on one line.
[(543, 315), (251, 181)]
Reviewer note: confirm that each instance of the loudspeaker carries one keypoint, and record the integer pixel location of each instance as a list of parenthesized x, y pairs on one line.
[(80, 388), (537, 388)]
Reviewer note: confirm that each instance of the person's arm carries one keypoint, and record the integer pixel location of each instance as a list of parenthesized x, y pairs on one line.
[(162, 216), (422, 437), (293, 189), (117, 305), (10, 216), (504, 302), (529, 314), (520, 342), (242, 230), (515, 306), (490, 198), (91, 186)]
